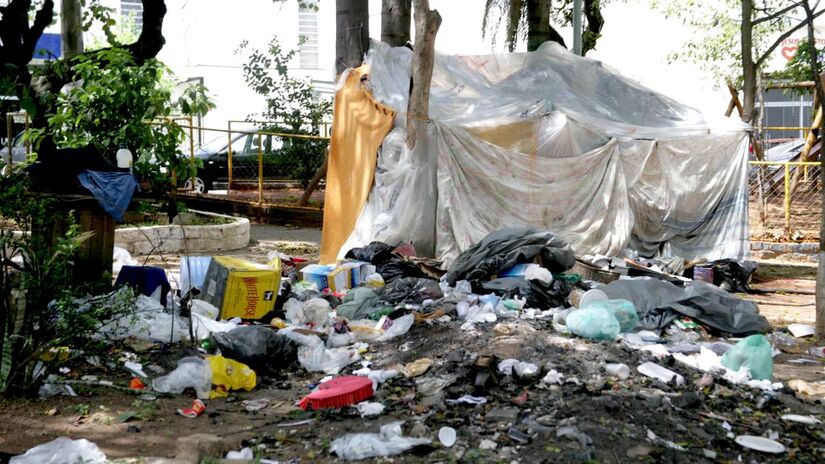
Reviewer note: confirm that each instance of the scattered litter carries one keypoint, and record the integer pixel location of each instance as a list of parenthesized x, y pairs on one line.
[(191, 372), (801, 330), (760, 444), (807, 388), (810, 420), (417, 368), (754, 353), (135, 368), (388, 442), (369, 409), (243, 454), (620, 371), (338, 393), (487, 444), (255, 405), (553, 378), (594, 322), (196, 410), (521, 369), (468, 399), (60, 451), (658, 372), (447, 436)]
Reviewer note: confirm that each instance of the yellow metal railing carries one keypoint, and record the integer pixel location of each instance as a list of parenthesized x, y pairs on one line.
[(788, 198)]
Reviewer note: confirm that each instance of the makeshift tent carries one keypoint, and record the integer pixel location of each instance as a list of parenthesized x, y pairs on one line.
[(546, 139)]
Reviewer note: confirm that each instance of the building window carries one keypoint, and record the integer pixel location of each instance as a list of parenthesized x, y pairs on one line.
[(783, 109), (133, 8), (308, 31)]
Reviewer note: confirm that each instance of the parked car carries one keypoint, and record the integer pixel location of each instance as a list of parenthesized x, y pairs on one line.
[(215, 158), (18, 150)]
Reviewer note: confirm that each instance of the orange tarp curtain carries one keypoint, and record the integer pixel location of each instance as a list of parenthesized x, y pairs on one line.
[(359, 125)]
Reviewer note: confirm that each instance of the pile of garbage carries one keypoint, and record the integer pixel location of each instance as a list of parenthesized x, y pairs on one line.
[(252, 320)]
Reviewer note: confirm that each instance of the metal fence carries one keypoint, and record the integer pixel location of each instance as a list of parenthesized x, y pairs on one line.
[(785, 200)]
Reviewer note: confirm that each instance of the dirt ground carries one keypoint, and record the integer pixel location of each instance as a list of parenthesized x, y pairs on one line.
[(590, 417)]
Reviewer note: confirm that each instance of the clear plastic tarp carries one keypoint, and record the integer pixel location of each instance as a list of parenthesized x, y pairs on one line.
[(553, 140)]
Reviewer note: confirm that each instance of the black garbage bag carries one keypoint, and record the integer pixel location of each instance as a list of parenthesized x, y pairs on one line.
[(507, 247), (411, 290), (390, 265), (733, 275), (659, 303), (538, 294), (259, 347)]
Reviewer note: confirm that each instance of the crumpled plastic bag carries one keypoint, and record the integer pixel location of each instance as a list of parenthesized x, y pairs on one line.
[(593, 322), (314, 312), (228, 374), (507, 247), (622, 310), (753, 352), (191, 372), (62, 450), (398, 328), (389, 264), (411, 290), (359, 303), (205, 309), (388, 442), (261, 348), (733, 275), (314, 357)]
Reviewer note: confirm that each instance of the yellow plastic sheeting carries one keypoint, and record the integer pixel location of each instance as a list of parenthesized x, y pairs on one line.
[(228, 374), (358, 128)]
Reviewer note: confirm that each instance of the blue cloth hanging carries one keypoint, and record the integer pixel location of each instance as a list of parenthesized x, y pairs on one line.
[(113, 190)]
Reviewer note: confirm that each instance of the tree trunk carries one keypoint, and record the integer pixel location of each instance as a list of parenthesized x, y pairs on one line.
[(820, 273), (395, 22), (593, 13), (538, 24), (71, 28), (427, 23), (748, 65), (352, 33)]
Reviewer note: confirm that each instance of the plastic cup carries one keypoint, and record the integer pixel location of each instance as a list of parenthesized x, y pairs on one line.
[(592, 296), (447, 437), (620, 371)]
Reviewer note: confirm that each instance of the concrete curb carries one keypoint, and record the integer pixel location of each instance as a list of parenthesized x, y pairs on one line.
[(189, 239)]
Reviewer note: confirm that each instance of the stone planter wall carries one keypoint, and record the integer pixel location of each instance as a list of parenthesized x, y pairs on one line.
[(185, 239)]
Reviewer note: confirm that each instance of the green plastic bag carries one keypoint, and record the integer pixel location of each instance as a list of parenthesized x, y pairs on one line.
[(593, 322), (622, 310), (753, 352)]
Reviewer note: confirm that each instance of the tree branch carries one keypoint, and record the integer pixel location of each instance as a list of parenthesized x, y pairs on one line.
[(776, 14), (782, 37)]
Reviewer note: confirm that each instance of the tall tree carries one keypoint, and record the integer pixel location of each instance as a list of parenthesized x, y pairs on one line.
[(352, 33), (815, 71), (71, 27), (736, 38), (535, 20), (395, 22)]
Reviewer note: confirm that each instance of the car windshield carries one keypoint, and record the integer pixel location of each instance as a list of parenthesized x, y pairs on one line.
[(214, 145)]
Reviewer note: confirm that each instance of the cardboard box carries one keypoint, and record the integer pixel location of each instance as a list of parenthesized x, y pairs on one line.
[(359, 270), (241, 288), (317, 274)]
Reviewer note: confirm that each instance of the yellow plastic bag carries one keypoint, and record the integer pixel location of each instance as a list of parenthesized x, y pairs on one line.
[(228, 374)]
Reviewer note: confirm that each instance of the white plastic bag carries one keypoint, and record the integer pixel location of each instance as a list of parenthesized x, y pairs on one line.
[(539, 273), (399, 327), (314, 312), (388, 442), (61, 451), (367, 408), (191, 372), (205, 309), (315, 358)]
